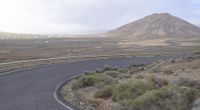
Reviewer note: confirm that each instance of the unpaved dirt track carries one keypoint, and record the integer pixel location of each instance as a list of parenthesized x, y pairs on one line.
[(34, 89)]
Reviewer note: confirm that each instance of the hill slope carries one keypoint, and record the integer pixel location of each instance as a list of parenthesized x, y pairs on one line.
[(161, 25)]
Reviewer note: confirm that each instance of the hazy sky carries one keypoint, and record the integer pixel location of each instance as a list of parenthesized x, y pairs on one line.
[(84, 16)]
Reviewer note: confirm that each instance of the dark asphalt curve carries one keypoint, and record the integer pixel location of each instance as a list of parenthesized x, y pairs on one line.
[(34, 89)]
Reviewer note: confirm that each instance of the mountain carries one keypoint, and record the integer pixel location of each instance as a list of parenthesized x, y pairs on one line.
[(162, 25)]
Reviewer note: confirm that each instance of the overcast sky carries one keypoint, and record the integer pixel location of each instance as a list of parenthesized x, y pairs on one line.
[(85, 16)]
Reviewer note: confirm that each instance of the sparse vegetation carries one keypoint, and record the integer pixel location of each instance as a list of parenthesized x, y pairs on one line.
[(88, 79), (113, 74), (130, 89), (106, 92), (167, 98), (111, 89), (158, 81), (168, 72), (188, 83), (109, 68)]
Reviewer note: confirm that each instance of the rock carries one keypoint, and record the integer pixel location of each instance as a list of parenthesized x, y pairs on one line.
[(196, 105)]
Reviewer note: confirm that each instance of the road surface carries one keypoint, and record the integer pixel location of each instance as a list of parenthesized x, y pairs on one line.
[(34, 89)]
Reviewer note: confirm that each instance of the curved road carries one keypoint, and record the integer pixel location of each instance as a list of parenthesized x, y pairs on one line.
[(33, 89)]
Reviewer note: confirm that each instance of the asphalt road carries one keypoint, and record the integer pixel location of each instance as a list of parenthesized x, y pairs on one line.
[(34, 89)]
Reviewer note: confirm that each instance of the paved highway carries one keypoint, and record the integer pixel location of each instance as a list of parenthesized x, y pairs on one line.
[(34, 89)]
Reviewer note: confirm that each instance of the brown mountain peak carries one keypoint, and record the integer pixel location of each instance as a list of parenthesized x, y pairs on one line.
[(158, 25)]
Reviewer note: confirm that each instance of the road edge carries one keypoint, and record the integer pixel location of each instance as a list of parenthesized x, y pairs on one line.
[(59, 98)]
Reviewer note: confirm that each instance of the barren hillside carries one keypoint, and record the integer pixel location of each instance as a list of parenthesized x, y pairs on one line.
[(161, 25)]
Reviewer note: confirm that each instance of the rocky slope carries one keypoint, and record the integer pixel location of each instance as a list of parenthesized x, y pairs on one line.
[(161, 25)]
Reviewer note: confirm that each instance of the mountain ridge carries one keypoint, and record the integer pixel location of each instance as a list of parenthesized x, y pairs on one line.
[(158, 25)]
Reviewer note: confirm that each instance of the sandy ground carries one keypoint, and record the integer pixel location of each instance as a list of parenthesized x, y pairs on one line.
[(153, 42), (26, 49)]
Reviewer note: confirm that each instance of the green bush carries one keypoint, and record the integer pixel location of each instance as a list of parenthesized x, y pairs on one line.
[(131, 89), (113, 74), (88, 79), (89, 73), (124, 70), (98, 70), (109, 68), (104, 93), (188, 83), (166, 98), (107, 80), (158, 81)]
